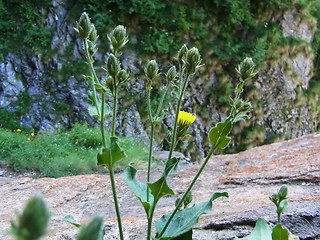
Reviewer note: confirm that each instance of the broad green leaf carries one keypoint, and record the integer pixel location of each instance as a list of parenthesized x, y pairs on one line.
[(184, 220), (93, 231), (110, 156), (70, 219), (138, 188), (93, 110), (261, 231), (160, 188), (218, 134), (279, 233), (171, 167)]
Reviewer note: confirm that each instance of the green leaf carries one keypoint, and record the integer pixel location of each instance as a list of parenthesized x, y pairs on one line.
[(279, 233), (184, 220), (70, 219), (138, 188), (218, 134), (261, 231), (160, 188), (171, 166), (93, 231), (110, 156), (93, 110)]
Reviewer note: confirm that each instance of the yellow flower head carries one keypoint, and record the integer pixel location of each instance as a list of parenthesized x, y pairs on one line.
[(185, 119), (32, 134), (28, 139), (18, 130)]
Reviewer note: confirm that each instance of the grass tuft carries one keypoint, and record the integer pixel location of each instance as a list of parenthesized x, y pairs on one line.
[(58, 154)]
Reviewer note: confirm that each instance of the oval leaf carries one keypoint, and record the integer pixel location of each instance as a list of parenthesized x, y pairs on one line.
[(218, 134), (138, 188), (185, 219), (261, 231)]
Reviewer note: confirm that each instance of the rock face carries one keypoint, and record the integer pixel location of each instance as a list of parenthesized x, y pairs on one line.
[(59, 100), (249, 177)]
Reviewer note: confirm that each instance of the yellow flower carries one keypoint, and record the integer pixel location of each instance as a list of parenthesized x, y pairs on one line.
[(18, 130), (185, 119), (28, 139), (32, 134)]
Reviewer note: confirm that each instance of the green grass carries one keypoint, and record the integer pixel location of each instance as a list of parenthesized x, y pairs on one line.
[(57, 154)]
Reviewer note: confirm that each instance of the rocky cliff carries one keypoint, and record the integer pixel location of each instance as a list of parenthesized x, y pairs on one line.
[(48, 94)]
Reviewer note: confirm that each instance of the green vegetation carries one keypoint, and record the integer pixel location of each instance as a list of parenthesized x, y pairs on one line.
[(56, 154), (225, 31)]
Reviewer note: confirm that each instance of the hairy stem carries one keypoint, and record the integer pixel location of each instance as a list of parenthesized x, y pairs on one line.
[(93, 74), (115, 103), (151, 141), (173, 138), (115, 199)]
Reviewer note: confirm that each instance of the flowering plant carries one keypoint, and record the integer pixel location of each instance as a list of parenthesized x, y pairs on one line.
[(181, 221)]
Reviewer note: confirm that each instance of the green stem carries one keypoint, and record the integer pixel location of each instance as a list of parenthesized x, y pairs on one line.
[(173, 138), (151, 140), (115, 199), (162, 100), (102, 120), (188, 190), (93, 74), (115, 97), (150, 221)]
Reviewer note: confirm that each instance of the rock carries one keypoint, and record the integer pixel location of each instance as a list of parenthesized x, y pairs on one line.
[(249, 177)]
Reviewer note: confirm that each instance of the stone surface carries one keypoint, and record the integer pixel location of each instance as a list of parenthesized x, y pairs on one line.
[(249, 177)]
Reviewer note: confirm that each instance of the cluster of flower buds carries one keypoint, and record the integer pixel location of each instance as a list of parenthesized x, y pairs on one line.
[(116, 75), (88, 33), (277, 198), (117, 38), (246, 68)]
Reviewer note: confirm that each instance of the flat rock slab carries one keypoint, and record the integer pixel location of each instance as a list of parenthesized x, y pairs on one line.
[(249, 177)]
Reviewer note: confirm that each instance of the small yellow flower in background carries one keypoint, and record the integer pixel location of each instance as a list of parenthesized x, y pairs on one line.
[(28, 139), (18, 130), (32, 134), (185, 119)]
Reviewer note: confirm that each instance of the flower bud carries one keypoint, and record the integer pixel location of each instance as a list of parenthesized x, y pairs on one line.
[(151, 70), (193, 60), (93, 36), (181, 54), (171, 74), (84, 26), (283, 192), (113, 65), (123, 76), (92, 48), (118, 38), (246, 68), (32, 223)]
